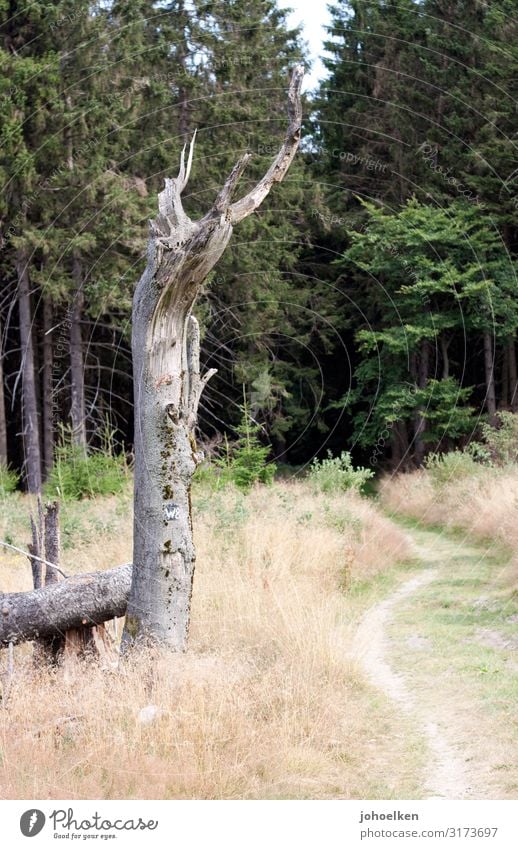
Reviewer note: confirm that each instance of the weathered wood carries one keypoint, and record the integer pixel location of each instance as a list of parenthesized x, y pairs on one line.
[(81, 600), (168, 386), (30, 426), (36, 547), (52, 542)]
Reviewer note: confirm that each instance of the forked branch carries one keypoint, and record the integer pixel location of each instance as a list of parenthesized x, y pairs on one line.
[(277, 170)]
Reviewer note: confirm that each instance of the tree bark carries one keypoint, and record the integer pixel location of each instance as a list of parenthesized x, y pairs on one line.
[(48, 393), (489, 368), (420, 422), (503, 403), (30, 427), (513, 379), (87, 599), (77, 371), (3, 420), (444, 343), (168, 386)]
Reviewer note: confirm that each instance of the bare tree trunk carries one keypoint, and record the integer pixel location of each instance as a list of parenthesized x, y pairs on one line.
[(399, 446), (489, 367), (168, 386), (31, 436), (48, 393), (3, 420), (444, 343), (77, 372), (504, 395), (52, 610), (420, 422), (181, 56), (513, 380)]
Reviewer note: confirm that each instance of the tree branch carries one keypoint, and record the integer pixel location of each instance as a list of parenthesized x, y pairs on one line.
[(277, 170)]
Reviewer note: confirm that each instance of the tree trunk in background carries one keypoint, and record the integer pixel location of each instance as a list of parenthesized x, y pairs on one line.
[(48, 390), (504, 395), (420, 422), (3, 421), (489, 368), (77, 373), (30, 426), (181, 57), (168, 387), (513, 379), (399, 446), (444, 343)]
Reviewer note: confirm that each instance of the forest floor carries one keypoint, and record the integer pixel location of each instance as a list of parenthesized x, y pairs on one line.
[(442, 646), (335, 652)]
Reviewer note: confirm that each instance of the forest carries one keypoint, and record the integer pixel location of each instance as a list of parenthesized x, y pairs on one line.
[(371, 307), (258, 401)]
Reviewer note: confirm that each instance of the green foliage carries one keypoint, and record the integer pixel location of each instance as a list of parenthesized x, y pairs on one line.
[(8, 481), (244, 462), (337, 474), (444, 468), (500, 444), (248, 461), (78, 474), (498, 447)]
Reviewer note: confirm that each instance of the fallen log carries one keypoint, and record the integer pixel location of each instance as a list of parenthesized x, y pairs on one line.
[(87, 599)]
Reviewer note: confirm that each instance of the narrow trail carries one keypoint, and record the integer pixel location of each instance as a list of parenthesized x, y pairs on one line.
[(448, 774)]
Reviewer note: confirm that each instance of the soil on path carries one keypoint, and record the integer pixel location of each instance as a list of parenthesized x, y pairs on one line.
[(450, 772)]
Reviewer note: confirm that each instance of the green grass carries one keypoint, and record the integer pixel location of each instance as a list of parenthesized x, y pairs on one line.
[(465, 616)]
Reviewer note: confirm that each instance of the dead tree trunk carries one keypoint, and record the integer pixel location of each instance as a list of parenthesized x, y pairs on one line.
[(53, 610), (77, 371), (48, 389), (513, 379), (168, 386), (3, 420), (31, 435), (489, 369)]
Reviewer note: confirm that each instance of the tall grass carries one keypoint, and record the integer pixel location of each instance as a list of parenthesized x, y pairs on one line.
[(483, 503), (265, 704)]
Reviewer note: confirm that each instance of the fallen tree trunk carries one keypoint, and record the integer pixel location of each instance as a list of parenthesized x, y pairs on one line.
[(87, 599)]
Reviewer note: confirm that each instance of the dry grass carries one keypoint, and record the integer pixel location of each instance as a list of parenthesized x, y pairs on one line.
[(485, 505), (266, 704)]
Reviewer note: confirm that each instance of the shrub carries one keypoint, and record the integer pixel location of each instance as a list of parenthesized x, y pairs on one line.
[(501, 442), (77, 473), (8, 481), (445, 468), (336, 474)]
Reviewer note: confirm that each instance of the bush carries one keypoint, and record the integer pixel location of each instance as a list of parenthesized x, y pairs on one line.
[(501, 442), (78, 474), (444, 468), (8, 481), (336, 474)]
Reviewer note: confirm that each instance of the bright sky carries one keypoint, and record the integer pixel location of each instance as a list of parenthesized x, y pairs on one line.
[(312, 14)]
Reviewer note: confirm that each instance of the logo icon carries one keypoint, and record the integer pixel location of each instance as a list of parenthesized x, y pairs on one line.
[(31, 822)]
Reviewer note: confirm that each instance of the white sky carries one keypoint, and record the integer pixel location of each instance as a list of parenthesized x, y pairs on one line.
[(312, 14)]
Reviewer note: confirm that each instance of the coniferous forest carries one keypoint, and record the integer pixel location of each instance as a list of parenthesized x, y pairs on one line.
[(258, 418), (369, 306)]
